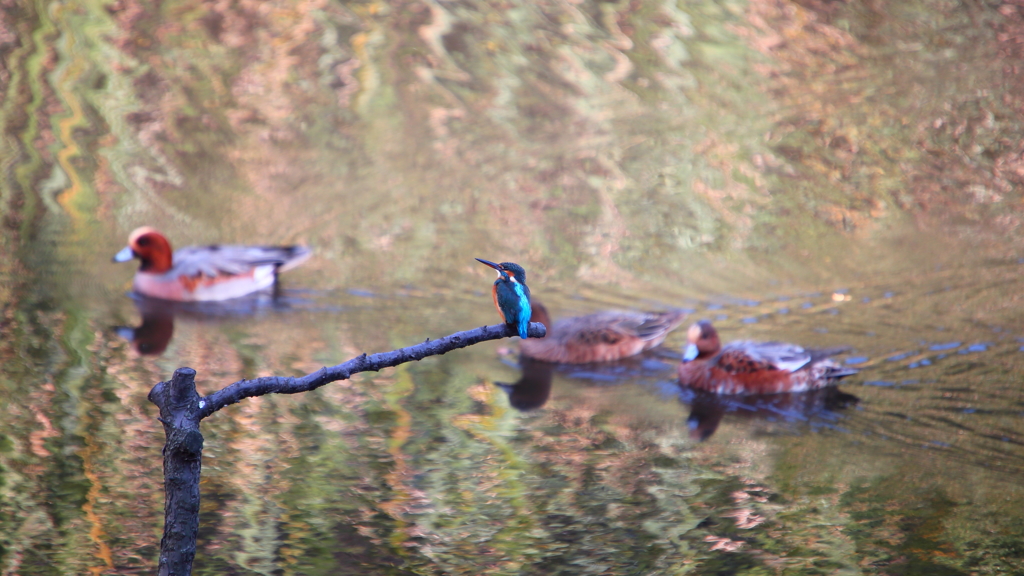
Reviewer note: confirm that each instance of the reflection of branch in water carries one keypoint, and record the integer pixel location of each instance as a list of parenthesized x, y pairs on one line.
[(533, 389), (707, 410)]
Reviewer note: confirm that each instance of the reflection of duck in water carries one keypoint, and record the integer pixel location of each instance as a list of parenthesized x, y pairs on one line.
[(153, 335), (533, 389), (747, 367), (205, 273), (600, 337), (707, 409)]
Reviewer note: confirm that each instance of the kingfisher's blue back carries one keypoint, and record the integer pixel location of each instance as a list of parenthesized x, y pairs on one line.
[(513, 301), (511, 295)]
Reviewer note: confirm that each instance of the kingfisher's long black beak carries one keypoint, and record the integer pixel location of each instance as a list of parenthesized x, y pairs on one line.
[(489, 263)]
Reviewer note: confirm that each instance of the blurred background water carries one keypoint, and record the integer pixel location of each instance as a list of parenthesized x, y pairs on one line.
[(826, 173)]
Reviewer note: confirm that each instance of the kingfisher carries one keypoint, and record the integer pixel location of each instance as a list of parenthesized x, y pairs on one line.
[(511, 295)]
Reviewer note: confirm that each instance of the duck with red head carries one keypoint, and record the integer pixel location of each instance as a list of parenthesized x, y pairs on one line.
[(747, 367), (601, 337), (205, 273)]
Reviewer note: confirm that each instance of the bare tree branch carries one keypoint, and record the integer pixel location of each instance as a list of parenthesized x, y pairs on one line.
[(183, 455), (365, 363), (181, 410)]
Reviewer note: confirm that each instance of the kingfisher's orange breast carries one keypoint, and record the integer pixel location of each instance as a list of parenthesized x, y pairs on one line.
[(494, 296)]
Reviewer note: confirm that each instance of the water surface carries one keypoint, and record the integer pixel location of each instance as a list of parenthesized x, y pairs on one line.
[(826, 174)]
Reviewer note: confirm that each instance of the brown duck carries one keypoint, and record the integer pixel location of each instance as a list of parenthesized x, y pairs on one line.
[(747, 367), (600, 337)]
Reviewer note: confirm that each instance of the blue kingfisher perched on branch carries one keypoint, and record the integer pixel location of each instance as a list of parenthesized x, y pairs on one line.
[(511, 295)]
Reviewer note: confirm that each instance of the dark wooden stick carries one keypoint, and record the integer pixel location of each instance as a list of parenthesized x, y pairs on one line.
[(181, 410), (183, 451), (365, 363)]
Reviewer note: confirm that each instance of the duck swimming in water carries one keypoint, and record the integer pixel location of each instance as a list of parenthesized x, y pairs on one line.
[(600, 337), (748, 367), (205, 273)]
